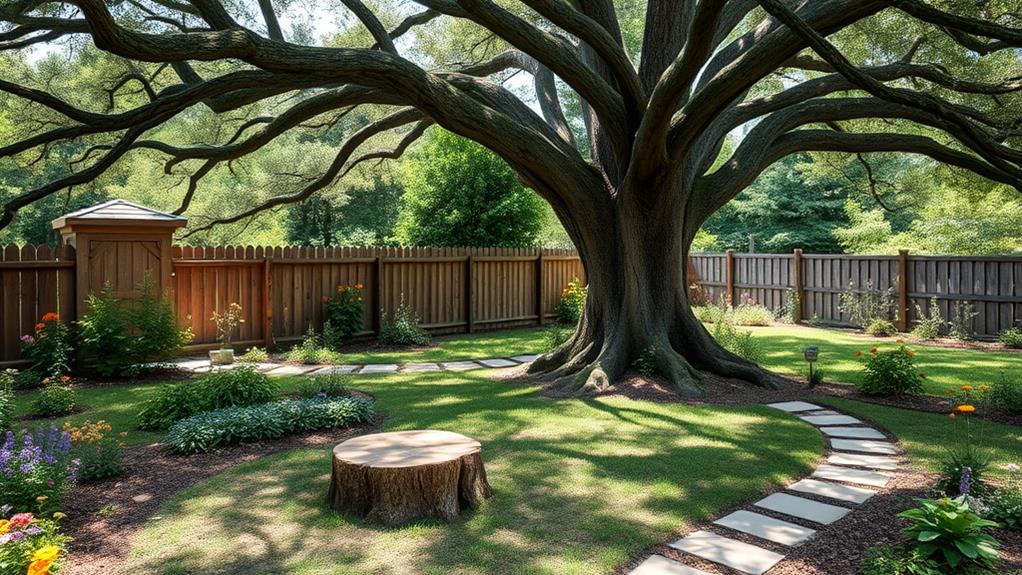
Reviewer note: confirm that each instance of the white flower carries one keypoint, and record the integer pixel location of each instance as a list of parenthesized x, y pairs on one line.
[(1013, 467)]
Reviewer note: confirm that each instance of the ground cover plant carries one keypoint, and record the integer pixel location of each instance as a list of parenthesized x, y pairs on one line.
[(216, 390), (580, 485)]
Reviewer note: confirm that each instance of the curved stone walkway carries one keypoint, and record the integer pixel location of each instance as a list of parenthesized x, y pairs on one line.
[(202, 365), (860, 456)]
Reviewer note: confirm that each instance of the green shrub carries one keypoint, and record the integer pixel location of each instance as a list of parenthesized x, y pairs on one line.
[(1011, 337), (97, 451), (1006, 392), (751, 314), (886, 559), (7, 399), (948, 532), (56, 398), (929, 327), (216, 390), (815, 378), (28, 379), (555, 337), (646, 363), (254, 355), (49, 347), (862, 307), (709, 313), (344, 313), (792, 304), (1005, 504), (153, 323), (738, 342), (890, 373), (404, 328), (326, 385), (955, 459), (881, 328), (573, 299), (211, 430), (961, 321), (312, 351)]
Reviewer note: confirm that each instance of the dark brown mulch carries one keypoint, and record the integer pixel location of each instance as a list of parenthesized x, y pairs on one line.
[(104, 516), (927, 403)]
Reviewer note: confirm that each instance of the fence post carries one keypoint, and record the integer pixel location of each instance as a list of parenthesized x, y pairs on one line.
[(469, 294), (799, 285), (267, 306), (539, 288), (729, 271), (902, 290), (378, 294)]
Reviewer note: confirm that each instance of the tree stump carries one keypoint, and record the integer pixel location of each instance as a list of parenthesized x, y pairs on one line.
[(393, 477)]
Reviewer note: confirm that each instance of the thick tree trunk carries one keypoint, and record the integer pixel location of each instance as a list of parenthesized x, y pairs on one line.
[(637, 273)]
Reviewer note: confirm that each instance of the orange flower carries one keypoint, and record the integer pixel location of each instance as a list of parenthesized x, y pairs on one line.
[(873, 350), (966, 388), (51, 317), (41, 567), (984, 388), (40, 326), (966, 408), (358, 286), (911, 354), (858, 354), (65, 378), (901, 340)]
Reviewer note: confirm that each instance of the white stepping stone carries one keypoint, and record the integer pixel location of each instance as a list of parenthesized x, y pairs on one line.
[(794, 406), (803, 508), (527, 359), (497, 363), (460, 365), (660, 565), (735, 554), (860, 476), (766, 527), (419, 367), (264, 367), (332, 369), (853, 432), (379, 368), (830, 419), (191, 364), (833, 490), (865, 445), (822, 412), (291, 370), (872, 461)]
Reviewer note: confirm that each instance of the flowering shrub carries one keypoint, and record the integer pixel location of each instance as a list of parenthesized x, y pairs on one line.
[(49, 347), (404, 328), (573, 299), (344, 313), (30, 544), (36, 470), (964, 462), (950, 533), (1005, 504), (97, 451), (226, 324), (213, 429), (242, 386), (56, 398), (890, 372), (6, 399)]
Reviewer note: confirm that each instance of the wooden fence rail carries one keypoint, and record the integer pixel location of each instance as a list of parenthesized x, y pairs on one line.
[(992, 285)]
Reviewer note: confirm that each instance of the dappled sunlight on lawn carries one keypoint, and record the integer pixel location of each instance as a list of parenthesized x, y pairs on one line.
[(579, 485)]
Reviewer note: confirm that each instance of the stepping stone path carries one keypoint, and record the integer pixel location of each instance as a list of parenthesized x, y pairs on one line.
[(860, 455), (202, 365)]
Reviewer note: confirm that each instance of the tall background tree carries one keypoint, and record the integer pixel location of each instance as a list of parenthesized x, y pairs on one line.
[(659, 87)]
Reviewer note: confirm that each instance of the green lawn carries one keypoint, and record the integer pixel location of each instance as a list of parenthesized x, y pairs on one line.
[(944, 367), (579, 486), (483, 345), (926, 434)]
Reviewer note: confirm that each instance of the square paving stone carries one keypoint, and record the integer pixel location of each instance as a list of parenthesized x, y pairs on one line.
[(765, 527), (460, 365), (527, 359), (853, 432), (498, 362), (735, 554), (794, 406), (660, 565), (830, 419), (821, 412), (191, 364), (291, 370), (379, 368), (803, 508), (872, 461), (419, 367), (865, 445), (860, 476), (332, 369), (833, 490)]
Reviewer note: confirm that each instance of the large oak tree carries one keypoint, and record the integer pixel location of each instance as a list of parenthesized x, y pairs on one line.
[(631, 187)]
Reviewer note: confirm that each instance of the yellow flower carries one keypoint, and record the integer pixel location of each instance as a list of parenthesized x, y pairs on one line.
[(41, 498), (966, 408), (39, 568), (4, 526), (46, 553), (58, 516), (966, 388)]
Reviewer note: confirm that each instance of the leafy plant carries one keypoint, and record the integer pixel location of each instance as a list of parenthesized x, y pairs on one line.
[(890, 372), (573, 299), (49, 347), (219, 389), (31, 545), (947, 531), (153, 323), (254, 355), (646, 363), (929, 327), (36, 470), (312, 351), (751, 314), (28, 379), (344, 313), (326, 385), (709, 313), (1011, 337), (211, 430), (886, 559), (881, 328), (227, 322), (555, 337), (961, 321), (6, 399), (1005, 503), (739, 342), (791, 307), (404, 328), (1006, 392), (56, 398), (815, 377), (171, 403), (97, 451), (864, 306)]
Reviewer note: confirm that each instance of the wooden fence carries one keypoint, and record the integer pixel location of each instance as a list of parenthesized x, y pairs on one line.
[(992, 285), (281, 289)]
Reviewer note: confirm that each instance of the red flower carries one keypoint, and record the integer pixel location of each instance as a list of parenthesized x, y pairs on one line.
[(51, 317), (858, 354), (901, 340), (40, 326)]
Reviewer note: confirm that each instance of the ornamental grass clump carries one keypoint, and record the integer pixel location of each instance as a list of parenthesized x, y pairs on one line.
[(890, 372), (215, 429), (30, 545), (964, 462), (36, 470)]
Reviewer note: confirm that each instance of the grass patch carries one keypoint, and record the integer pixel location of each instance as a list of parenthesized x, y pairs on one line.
[(926, 434), (483, 345), (579, 486), (117, 405)]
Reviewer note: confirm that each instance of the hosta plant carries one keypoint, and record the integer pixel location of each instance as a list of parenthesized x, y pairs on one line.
[(947, 531)]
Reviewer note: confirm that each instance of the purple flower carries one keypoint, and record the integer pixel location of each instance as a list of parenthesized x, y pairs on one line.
[(32, 531), (966, 482), (27, 339), (4, 510), (17, 536)]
